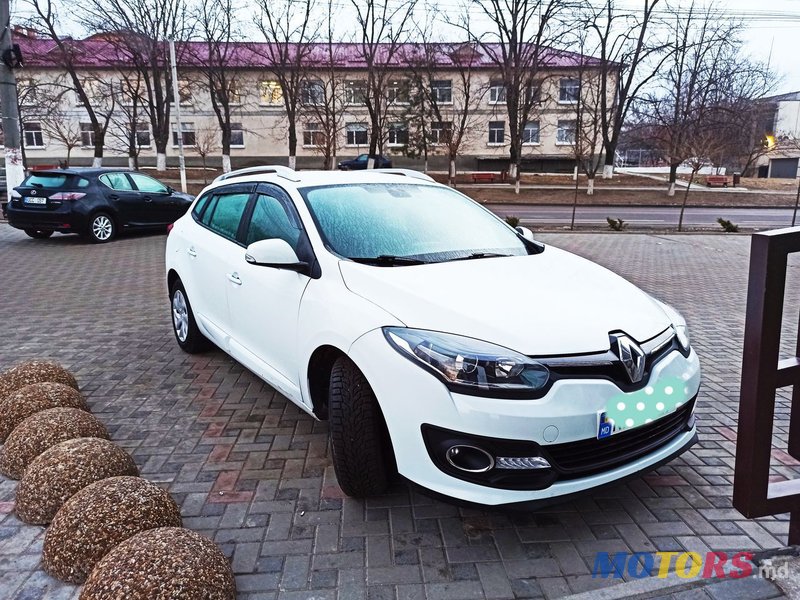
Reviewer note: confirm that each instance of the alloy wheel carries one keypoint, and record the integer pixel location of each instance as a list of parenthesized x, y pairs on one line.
[(180, 315)]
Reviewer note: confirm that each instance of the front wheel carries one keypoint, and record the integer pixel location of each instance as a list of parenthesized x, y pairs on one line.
[(360, 443), (101, 228), (184, 326), (38, 234)]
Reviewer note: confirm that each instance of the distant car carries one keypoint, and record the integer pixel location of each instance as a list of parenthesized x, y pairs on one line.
[(97, 203), (360, 162)]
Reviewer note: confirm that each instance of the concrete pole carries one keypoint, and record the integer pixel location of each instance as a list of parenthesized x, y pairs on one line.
[(15, 171), (178, 123)]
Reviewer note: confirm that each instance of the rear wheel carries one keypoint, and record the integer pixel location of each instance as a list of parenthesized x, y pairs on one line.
[(360, 445), (38, 234), (101, 228), (185, 327)]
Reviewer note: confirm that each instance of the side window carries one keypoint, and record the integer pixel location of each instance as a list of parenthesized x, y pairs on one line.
[(197, 211), (117, 181), (225, 213), (148, 184), (270, 220)]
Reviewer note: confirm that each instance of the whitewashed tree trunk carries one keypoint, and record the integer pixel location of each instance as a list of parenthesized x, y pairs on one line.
[(97, 162), (671, 190), (516, 185), (226, 163), (590, 188), (575, 174), (292, 162), (452, 170), (512, 170), (608, 171), (131, 163), (425, 168), (161, 162), (371, 162)]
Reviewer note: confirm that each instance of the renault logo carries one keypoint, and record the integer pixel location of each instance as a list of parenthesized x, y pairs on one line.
[(630, 355)]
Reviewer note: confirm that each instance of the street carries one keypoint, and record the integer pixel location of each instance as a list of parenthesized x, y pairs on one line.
[(646, 216)]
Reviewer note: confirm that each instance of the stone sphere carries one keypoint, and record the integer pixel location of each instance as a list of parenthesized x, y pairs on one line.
[(34, 371), (63, 470), (162, 564), (22, 403), (42, 430), (99, 517)]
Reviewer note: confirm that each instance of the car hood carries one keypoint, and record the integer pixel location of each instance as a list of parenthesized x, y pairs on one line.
[(544, 304)]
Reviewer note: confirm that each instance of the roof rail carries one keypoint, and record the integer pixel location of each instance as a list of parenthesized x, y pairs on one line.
[(278, 170), (408, 173)]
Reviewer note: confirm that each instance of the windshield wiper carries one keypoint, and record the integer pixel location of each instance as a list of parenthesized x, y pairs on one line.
[(387, 260), (475, 255)]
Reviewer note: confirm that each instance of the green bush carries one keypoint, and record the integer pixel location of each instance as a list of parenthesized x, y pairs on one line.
[(616, 224), (727, 226), (512, 220)]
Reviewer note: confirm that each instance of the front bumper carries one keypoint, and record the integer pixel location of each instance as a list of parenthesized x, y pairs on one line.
[(413, 399)]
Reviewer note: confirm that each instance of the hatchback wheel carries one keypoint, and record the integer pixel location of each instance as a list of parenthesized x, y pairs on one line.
[(360, 445), (183, 324), (101, 228), (38, 234)]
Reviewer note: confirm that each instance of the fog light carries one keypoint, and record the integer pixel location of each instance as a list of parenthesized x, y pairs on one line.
[(522, 462), (469, 459)]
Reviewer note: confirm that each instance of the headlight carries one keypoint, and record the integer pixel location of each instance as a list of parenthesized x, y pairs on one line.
[(682, 335), (468, 365)]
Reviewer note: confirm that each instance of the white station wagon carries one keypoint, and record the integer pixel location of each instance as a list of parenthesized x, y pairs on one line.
[(439, 342)]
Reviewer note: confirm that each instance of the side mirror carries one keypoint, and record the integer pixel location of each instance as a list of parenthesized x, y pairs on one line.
[(526, 233), (170, 190), (275, 253)]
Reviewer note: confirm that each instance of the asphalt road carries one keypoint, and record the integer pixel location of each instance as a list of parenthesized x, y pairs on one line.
[(646, 216)]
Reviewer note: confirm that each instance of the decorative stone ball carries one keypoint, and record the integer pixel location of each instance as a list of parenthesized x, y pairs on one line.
[(22, 403), (63, 470), (42, 430), (34, 371), (99, 517), (162, 564)]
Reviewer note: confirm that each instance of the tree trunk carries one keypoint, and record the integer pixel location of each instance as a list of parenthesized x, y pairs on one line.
[(590, 187), (685, 199), (452, 172), (99, 143), (575, 173), (161, 161), (226, 163), (97, 162), (205, 175), (69, 153), (517, 177), (608, 171), (673, 177), (292, 161), (132, 163), (574, 202)]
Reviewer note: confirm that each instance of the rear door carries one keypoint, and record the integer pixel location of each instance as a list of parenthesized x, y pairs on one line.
[(123, 198), (160, 208)]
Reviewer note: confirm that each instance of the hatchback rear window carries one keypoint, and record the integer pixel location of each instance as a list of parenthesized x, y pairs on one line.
[(55, 180)]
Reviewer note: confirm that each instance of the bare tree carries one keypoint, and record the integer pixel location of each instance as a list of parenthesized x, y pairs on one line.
[(139, 31), (206, 143), (289, 32), (95, 95), (382, 28), (129, 132), (218, 28), (519, 43)]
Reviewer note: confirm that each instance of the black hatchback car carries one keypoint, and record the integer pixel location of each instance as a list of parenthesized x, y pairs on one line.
[(94, 202), (360, 162)]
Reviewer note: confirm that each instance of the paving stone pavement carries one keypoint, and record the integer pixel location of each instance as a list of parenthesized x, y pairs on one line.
[(252, 472)]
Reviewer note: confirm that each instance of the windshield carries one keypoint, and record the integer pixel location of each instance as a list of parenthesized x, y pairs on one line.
[(407, 221)]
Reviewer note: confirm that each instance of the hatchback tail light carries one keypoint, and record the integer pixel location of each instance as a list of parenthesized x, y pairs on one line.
[(67, 196), (170, 226)]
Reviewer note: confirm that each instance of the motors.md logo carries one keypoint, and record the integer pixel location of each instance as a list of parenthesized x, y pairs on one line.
[(686, 565)]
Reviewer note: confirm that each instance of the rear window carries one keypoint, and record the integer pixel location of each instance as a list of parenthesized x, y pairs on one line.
[(55, 180)]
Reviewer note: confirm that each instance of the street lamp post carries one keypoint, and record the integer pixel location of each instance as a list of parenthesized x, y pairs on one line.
[(15, 171), (178, 123)]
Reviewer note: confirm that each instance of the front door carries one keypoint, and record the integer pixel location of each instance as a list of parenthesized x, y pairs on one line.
[(160, 207)]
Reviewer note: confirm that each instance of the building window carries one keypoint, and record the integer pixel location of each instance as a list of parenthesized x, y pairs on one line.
[(187, 134), (398, 92), (566, 132), (533, 92), (442, 91), (530, 134), (87, 135), (497, 130), (357, 134), (34, 138), (271, 93), (497, 93), (313, 135), (440, 132), (237, 135), (569, 90), (142, 135), (398, 134), (355, 92), (312, 93)]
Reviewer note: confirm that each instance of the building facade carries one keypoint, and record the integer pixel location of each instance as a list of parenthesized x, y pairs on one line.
[(259, 126)]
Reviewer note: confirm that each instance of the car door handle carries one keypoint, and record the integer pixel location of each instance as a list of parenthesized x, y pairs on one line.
[(147, 199), (113, 197), (234, 278), (191, 252)]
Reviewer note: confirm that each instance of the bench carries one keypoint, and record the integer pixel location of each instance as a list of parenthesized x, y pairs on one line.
[(717, 181), (488, 177)]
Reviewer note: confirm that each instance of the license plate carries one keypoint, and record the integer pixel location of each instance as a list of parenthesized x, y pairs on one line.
[(32, 200)]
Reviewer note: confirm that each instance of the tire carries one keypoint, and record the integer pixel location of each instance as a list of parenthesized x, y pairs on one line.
[(184, 326), (38, 234), (360, 444), (102, 228)]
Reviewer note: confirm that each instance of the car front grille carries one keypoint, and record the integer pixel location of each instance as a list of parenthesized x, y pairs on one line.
[(585, 457)]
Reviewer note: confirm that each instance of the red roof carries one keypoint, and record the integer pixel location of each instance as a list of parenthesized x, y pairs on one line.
[(98, 52)]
